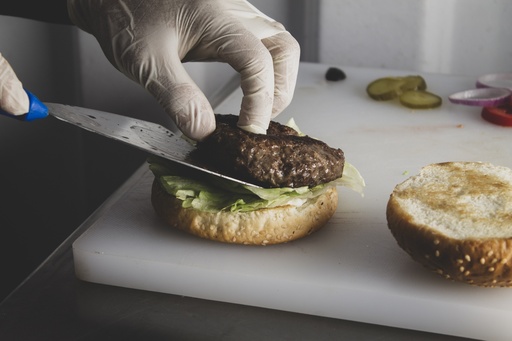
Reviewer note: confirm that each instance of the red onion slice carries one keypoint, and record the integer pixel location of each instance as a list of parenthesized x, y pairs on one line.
[(483, 97), (496, 80)]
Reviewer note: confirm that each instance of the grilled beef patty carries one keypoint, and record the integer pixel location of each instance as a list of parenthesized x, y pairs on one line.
[(281, 158)]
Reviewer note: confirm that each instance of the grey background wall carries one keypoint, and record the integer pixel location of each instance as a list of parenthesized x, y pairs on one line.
[(465, 37)]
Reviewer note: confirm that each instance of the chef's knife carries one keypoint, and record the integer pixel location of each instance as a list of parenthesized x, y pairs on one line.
[(148, 136)]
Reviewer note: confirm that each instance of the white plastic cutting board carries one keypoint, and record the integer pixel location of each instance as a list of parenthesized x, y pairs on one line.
[(352, 269)]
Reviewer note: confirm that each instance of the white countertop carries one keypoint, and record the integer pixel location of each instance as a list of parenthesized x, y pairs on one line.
[(351, 269)]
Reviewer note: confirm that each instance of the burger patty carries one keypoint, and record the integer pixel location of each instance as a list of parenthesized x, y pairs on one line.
[(281, 158)]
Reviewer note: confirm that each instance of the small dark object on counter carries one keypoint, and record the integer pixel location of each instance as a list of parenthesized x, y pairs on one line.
[(281, 158), (334, 74)]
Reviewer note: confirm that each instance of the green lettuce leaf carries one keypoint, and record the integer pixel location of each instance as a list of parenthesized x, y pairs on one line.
[(210, 193)]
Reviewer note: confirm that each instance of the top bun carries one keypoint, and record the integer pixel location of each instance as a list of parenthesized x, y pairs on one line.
[(455, 218)]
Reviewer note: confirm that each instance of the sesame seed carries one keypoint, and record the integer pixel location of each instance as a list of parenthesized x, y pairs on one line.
[(482, 260), (438, 253), (494, 261), (460, 261), (436, 242), (467, 273), (461, 269), (491, 269), (468, 258), (490, 253)]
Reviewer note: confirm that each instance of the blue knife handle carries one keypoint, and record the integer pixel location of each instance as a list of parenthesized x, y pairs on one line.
[(36, 109)]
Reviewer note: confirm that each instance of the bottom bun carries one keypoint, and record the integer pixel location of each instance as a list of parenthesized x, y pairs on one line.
[(261, 227), (455, 218)]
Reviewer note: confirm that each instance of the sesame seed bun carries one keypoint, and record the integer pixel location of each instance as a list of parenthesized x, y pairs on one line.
[(261, 227), (455, 218)]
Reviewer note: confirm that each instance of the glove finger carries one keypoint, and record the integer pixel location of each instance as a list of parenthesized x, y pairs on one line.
[(254, 63), (247, 55), (151, 58), (181, 98), (285, 52), (255, 21)]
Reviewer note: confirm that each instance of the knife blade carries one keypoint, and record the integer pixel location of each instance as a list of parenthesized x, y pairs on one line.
[(147, 136)]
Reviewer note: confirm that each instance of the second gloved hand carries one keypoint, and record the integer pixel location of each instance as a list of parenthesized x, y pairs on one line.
[(13, 98), (148, 40)]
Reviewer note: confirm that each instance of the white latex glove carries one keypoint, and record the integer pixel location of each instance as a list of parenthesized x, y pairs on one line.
[(13, 98), (148, 40)]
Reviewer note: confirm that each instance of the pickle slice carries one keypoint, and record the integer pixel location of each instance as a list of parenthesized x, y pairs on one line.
[(384, 89), (387, 88), (420, 99), (413, 83)]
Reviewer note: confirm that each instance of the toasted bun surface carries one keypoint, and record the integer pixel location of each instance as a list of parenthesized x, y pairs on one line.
[(455, 218), (261, 227)]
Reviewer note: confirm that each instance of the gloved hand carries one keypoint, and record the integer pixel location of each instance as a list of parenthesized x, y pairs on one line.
[(148, 40), (13, 98)]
